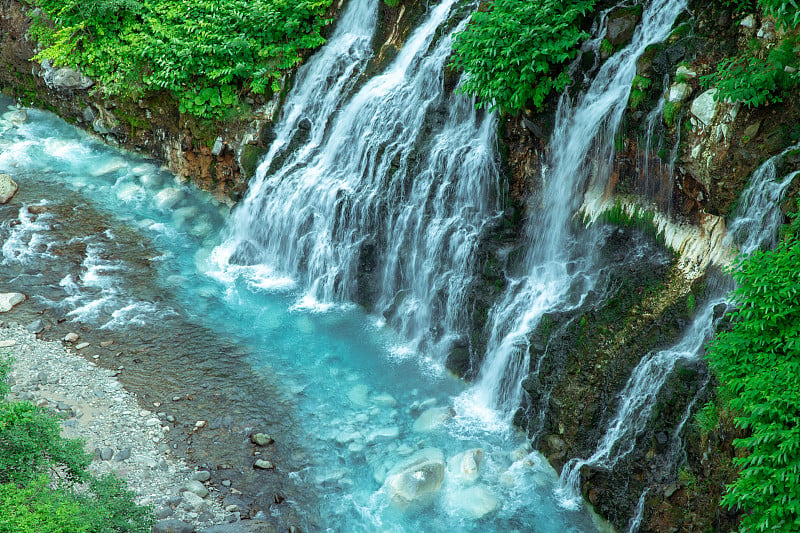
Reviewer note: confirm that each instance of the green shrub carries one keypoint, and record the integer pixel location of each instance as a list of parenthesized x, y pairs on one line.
[(203, 52), (758, 365), (670, 112), (515, 51), (45, 485), (639, 89)]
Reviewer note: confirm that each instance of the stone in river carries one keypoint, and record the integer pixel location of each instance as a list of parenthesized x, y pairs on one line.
[(9, 299), (201, 475), (122, 455), (37, 326), (465, 466), (261, 439), (358, 395), (8, 188), (432, 419), (383, 434), (473, 502), (167, 198), (384, 400), (416, 478), (264, 464), (71, 337), (196, 487)]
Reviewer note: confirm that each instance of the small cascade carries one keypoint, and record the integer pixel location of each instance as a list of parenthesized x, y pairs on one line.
[(656, 164), (385, 202), (560, 269), (755, 225)]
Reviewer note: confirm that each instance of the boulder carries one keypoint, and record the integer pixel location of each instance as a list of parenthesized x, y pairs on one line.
[(432, 419), (705, 107), (9, 299), (465, 466), (8, 188), (196, 487), (621, 24), (473, 502), (172, 525), (64, 78), (167, 198), (416, 478), (679, 92)]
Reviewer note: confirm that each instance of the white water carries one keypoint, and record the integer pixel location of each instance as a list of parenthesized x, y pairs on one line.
[(384, 204), (755, 225), (560, 269)]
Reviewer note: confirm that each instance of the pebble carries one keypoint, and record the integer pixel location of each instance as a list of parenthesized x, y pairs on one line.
[(201, 475), (261, 439), (82, 345), (264, 464), (71, 337)]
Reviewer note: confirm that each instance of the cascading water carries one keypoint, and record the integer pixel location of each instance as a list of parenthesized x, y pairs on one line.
[(560, 269), (754, 226), (385, 203)]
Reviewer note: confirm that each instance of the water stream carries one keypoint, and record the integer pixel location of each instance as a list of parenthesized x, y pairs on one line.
[(754, 226)]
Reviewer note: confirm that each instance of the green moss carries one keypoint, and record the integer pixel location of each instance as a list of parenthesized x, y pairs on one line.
[(671, 110), (251, 154)]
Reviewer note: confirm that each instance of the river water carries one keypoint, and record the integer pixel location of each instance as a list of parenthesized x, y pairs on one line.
[(361, 410)]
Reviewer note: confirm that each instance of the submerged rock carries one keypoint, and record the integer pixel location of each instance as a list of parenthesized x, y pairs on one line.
[(465, 466), (9, 299), (432, 419), (415, 478), (473, 502), (8, 188)]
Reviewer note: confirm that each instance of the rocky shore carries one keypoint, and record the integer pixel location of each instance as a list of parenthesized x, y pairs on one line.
[(123, 437)]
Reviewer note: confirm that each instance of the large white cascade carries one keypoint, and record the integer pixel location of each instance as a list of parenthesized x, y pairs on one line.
[(385, 201), (560, 269)]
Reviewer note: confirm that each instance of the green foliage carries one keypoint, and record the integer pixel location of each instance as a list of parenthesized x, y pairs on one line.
[(640, 218), (760, 76), (758, 364), (639, 89), (707, 418), (515, 51), (671, 110), (44, 482), (203, 52), (392, 3)]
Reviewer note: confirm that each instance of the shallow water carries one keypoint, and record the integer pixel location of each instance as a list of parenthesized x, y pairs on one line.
[(362, 406)]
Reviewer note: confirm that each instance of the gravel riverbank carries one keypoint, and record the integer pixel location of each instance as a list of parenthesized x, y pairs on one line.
[(123, 437)]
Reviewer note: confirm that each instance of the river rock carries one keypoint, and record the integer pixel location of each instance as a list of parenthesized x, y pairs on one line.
[(9, 299), (704, 107), (172, 525), (415, 478), (71, 337), (748, 22), (465, 466), (8, 343), (432, 419), (384, 400), (16, 117), (37, 326), (201, 475), (196, 487), (473, 502), (242, 526), (384, 434), (123, 455), (263, 464), (167, 198), (359, 395), (192, 500), (261, 439)]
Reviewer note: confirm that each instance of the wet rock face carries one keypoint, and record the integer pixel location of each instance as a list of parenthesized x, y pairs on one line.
[(414, 479), (621, 24), (8, 188)]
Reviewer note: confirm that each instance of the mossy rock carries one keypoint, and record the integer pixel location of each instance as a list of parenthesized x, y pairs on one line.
[(251, 155)]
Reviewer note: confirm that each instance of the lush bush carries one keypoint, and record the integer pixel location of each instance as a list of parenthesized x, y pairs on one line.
[(759, 76), (758, 366), (205, 53), (44, 482), (515, 51)]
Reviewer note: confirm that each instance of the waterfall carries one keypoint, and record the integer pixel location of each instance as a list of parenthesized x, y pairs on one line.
[(754, 226), (385, 202), (560, 270)]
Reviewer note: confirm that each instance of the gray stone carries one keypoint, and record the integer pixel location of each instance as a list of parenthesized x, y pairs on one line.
[(9, 299), (8, 343), (621, 25), (685, 72), (218, 145), (163, 512), (64, 78), (88, 114), (201, 475), (167, 198), (264, 464), (8, 188), (196, 487), (748, 22), (123, 455), (704, 107), (261, 439), (415, 478), (679, 92), (474, 502), (172, 525), (432, 418), (37, 326), (192, 500), (71, 337), (242, 526)]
